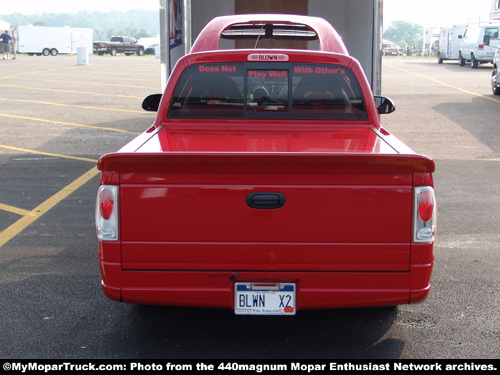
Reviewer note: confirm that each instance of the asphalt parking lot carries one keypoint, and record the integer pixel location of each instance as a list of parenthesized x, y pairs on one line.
[(57, 118)]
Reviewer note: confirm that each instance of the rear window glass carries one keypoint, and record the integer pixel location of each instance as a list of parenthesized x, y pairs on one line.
[(492, 32), (273, 91)]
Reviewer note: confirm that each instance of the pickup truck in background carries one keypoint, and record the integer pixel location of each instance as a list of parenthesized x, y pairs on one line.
[(119, 44), (266, 184)]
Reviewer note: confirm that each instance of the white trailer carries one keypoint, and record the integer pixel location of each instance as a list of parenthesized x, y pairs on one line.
[(495, 10), (45, 40), (449, 42), (4, 25)]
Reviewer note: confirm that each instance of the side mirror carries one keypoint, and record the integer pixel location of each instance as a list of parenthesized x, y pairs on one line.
[(486, 40), (151, 103), (384, 104)]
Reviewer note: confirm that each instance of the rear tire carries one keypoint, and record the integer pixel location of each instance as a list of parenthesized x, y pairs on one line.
[(474, 64), (461, 60), (495, 89), (113, 52), (46, 52), (54, 52)]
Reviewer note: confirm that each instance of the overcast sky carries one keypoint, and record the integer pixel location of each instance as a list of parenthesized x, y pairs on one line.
[(438, 13), (58, 6)]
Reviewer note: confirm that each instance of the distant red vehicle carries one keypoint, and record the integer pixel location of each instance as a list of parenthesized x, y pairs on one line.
[(266, 184)]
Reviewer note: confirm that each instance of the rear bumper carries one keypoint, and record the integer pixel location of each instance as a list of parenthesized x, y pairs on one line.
[(482, 57), (315, 290)]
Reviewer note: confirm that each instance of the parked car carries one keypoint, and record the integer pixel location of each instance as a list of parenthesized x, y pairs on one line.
[(473, 47), (391, 49), (495, 75), (151, 45)]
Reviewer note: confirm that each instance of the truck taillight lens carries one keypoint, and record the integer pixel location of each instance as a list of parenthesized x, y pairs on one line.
[(106, 213), (425, 214), (106, 204)]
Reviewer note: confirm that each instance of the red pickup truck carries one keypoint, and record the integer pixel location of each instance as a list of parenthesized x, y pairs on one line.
[(119, 44), (266, 184)]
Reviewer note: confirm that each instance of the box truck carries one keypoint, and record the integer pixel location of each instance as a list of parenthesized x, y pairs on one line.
[(449, 42), (45, 40)]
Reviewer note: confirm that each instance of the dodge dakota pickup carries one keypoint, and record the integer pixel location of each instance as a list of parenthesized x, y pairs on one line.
[(266, 184), (119, 44)]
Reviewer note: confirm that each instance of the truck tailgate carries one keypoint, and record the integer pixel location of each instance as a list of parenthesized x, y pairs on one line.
[(340, 213)]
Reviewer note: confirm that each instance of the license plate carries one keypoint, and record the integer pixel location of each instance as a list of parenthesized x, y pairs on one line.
[(264, 299)]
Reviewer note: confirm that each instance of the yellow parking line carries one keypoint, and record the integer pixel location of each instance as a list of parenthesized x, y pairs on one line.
[(74, 106), (16, 228), (446, 84), (31, 79), (66, 123), (72, 91), (109, 78), (35, 72), (14, 210), (47, 153)]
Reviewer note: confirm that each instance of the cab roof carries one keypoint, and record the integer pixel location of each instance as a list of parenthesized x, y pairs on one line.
[(269, 26)]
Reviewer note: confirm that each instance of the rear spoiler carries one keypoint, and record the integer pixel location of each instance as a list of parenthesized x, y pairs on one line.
[(265, 163), (269, 26)]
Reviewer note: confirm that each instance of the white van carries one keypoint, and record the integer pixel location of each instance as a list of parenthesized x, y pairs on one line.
[(473, 47)]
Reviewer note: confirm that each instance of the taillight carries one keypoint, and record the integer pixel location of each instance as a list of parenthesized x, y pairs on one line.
[(425, 214), (106, 203), (480, 46), (106, 213), (425, 205)]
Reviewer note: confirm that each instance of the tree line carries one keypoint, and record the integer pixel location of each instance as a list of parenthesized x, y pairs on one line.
[(136, 23), (146, 23), (404, 32)]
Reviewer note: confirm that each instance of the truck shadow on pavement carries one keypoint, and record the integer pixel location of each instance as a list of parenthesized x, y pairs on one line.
[(165, 332), (479, 118)]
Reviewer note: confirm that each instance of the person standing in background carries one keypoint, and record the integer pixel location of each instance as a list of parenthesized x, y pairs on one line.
[(6, 43), (14, 40)]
